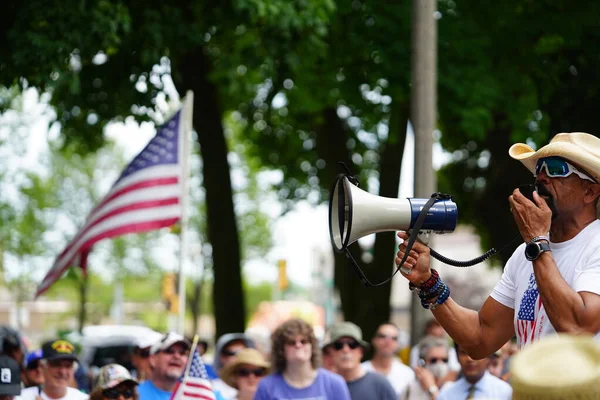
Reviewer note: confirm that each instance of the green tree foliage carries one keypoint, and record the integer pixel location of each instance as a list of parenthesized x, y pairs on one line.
[(113, 61)]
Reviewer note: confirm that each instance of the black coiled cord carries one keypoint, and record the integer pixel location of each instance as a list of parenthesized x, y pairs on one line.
[(472, 262)]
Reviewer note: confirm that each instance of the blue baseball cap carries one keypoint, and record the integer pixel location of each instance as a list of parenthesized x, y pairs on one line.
[(32, 357)]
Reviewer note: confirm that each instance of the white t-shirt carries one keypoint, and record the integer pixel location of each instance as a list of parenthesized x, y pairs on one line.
[(578, 261), (400, 376), (72, 394)]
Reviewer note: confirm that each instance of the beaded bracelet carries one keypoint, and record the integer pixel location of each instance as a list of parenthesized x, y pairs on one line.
[(435, 292), (445, 295), (427, 285)]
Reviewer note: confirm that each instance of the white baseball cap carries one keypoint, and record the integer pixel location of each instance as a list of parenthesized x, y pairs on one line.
[(167, 341)]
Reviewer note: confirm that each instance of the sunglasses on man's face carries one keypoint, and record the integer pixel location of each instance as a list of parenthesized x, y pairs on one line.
[(229, 353), (33, 365), (339, 344), (182, 352), (246, 372), (114, 393), (143, 353), (556, 167), (435, 360)]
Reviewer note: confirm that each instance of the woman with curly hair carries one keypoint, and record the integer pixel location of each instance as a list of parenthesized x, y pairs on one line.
[(295, 356)]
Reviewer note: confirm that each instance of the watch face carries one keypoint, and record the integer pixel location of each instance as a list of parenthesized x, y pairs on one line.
[(532, 251)]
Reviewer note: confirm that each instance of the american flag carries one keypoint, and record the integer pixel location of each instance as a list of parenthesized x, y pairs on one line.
[(529, 312), (195, 385), (145, 197)]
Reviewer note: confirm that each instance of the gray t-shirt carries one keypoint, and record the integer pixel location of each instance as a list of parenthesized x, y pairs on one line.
[(371, 386)]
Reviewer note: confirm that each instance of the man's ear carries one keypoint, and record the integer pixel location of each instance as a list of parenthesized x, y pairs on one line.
[(152, 360), (592, 192)]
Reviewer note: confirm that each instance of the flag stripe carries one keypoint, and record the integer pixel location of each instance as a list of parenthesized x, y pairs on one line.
[(121, 230), (146, 196)]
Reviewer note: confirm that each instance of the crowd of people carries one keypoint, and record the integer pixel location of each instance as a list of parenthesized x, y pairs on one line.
[(297, 366)]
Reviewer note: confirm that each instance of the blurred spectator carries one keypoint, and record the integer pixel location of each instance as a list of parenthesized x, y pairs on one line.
[(58, 367), (12, 345), (225, 351), (432, 372), (496, 364), (32, 373), (327, 358), (10, 378), (202, 347), (295, 355), (348, 347), (557, 367), (433, 328), (508, 350), (168, 359), (114, 382), (476, 381), (141, 355), (245, 372), (384, 361)]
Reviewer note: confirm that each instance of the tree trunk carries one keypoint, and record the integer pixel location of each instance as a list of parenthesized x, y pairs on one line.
[(195, 69)]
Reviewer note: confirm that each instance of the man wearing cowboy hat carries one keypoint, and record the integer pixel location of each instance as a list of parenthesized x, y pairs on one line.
[(551, 283), (348, 347)]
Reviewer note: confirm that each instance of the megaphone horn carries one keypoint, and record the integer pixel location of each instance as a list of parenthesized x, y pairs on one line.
[(354, 213)]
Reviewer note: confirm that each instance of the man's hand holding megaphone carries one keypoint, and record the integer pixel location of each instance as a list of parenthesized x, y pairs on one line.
[(418, 260)]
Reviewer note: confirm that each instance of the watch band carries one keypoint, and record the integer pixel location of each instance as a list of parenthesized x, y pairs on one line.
[(538, 238)]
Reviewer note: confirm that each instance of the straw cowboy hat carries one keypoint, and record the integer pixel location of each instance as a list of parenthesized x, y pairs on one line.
[(247, 356), (581, 148), (557, 367)]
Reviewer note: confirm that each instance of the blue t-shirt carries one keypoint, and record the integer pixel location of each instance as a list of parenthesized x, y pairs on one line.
[(327, 386), (147, 391)]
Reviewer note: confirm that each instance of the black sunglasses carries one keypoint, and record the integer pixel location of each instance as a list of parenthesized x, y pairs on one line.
[(434, 360), (143, 353), (339, 344), (229, 353), (115, 393), (244, 372)]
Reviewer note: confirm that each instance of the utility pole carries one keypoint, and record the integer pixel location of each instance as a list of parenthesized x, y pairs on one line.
[(423, 117)]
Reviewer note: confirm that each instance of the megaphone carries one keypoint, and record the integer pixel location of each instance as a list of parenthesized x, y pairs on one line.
[(354, 213)]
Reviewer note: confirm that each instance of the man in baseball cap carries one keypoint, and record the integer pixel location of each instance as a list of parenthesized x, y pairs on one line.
[(168, 358), (32, 373), (58, 367), (10, 378)]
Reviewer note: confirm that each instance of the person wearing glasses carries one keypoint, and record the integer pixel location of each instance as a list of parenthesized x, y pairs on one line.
[(348, 347), (295, 359), (114, 382), (551, 283), (385, 362), (226, 349), (140, 357), (245, 372), (432, 369), (58, 364), (168, 359)]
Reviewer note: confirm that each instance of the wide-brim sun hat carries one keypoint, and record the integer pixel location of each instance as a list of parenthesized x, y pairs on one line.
[(346, 329), (557, 367), (246, 356)]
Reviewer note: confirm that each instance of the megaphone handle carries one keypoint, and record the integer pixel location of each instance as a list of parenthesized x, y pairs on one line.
[(423, 237)]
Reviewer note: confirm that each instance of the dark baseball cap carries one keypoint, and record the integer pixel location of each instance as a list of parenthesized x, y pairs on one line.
[(10, 377), (58, 350)]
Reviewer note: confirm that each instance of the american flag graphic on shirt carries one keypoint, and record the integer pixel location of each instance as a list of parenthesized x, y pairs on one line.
[(529, 314)]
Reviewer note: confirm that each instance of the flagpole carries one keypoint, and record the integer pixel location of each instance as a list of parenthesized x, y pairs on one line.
[(188, 109)]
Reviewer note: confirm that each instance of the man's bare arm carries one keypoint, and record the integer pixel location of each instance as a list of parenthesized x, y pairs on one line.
[(568, 311), (479, 333)]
